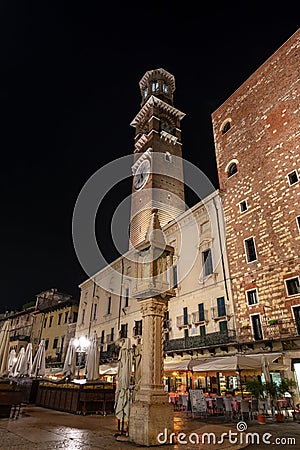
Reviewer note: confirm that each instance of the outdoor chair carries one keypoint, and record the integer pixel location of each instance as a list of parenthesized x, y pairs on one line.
[(254, 408), (228, 407), (245, 409), (184, 402), (179, 405), (219, 405)]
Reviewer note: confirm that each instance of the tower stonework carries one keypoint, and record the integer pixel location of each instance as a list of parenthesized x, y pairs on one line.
[(256, 134), (157, 169)]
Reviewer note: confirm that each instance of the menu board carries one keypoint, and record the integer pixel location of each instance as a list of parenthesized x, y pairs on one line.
[(198, 402)]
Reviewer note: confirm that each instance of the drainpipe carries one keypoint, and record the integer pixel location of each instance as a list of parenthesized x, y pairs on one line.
[(120, 298), (220, 244), (90, 323)]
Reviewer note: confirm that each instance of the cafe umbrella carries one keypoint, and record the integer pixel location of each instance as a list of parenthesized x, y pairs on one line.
[(92, 360), (122, 395), (4, 348), (26, 364), (12, 359), (70, 360), (19, 362), (39, 362)]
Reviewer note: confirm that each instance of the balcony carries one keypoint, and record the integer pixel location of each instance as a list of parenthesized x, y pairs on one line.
[(183, 322), (282, 329), (20, 337), (196, 342), (109, 338), (197, 318)]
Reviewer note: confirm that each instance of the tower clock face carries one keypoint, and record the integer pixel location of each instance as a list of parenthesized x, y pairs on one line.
[(142, 174)]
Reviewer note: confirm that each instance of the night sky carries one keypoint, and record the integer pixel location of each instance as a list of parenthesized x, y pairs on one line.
[(69, 90)]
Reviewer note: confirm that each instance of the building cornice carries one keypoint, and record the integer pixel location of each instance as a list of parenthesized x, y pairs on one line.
[(154, 101)]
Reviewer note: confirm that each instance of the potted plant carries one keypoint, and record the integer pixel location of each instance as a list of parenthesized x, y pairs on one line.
[(256, 388), (288, 386), (273, 322)]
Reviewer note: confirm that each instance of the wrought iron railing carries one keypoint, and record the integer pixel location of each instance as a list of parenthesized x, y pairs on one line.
[(20, 337), (194, 342), (271, 330)]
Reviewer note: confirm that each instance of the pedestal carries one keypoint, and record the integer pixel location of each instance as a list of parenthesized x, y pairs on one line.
[(149, 419)]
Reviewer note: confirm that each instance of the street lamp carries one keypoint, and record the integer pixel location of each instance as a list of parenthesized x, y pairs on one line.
[(81, 345)]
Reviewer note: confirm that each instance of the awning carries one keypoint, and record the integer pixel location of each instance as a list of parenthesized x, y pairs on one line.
[(108, 369), (182, 364), (235, 362)]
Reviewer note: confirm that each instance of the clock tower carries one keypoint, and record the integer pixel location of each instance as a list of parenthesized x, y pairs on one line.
[(157, 169)]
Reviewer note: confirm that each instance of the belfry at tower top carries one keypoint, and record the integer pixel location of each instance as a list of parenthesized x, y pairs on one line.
[(157, 82), (157, 73)]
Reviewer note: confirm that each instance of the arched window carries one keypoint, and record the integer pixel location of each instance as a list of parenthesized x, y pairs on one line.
[(232, 169), (226, 127)]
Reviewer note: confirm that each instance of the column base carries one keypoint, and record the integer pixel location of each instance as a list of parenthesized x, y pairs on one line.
[(148, 420)]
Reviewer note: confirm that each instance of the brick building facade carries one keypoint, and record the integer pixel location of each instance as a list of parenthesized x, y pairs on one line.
[(256, 133)]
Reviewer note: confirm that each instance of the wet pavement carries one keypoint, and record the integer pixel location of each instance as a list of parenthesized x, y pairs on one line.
[(39, 429)]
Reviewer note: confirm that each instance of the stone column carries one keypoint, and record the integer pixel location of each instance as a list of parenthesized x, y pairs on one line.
[(151, 411)]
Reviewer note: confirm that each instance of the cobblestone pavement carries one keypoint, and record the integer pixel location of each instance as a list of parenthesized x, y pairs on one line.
[(41, 429)]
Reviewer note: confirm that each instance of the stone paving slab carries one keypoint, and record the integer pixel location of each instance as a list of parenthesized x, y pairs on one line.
[(45, 429)]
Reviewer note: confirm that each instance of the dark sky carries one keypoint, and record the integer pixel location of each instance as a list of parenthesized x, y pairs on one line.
[(69, 90)]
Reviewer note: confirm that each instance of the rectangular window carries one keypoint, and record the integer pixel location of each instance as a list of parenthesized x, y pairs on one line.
[(207, 262), (298, 222), (124, 330), (102, 337), (250, 250), (55, 342), (293, 177), (296, 313), (109, 305), (66, 316), (59, 319), (243, 206), (75, 316), (175, 281), (252, 297), (112, 335), (126, 297), (223, 325), (82, 317), (155, 86), (186, 332), (292, 286), (61, 346), (46, 344), (50, 321), (166, 319), (95, 311), (201, 312), (202, 330), (256, 327), (138, 328), (165, 88), (185, 316), (221, 306), (45, 322)]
